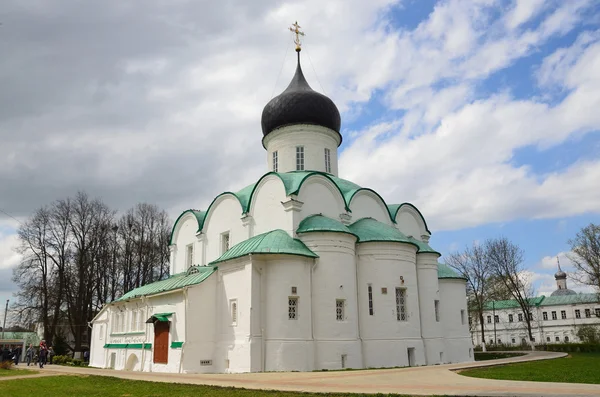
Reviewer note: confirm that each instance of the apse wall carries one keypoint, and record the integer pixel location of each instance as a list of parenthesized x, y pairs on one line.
[(366, 204), (266, 208), (337, 343), (431, 328), (455, 320), (288, 341), (386, 266), (319, 196)]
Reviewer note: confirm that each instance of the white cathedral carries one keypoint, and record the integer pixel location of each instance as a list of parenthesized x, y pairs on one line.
[(299, 271)]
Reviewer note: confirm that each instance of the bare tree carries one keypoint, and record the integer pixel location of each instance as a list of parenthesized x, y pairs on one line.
[(585, 248), (472, 264), (506, 261)]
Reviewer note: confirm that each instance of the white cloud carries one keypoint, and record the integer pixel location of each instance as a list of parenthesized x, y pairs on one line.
[(8, 241)]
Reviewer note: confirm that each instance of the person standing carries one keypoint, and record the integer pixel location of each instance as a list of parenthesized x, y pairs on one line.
[(50, 354), (29, 354), (43, 353), (17, 355)]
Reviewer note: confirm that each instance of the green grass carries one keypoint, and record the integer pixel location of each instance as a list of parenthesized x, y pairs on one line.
[(96, 386), (576, 368), (15, 372), (480, 356)]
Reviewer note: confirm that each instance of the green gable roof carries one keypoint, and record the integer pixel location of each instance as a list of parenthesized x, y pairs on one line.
[(394, 208), (511, 303), (570, 299), (445, 271), (320, 223), (194, 275), (273, 242)]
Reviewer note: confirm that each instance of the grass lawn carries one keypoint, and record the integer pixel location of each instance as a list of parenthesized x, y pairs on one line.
[(575, 368), (15, 372), (91, 386)]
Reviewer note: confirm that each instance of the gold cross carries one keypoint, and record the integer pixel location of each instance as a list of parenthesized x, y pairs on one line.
[(295, 28)]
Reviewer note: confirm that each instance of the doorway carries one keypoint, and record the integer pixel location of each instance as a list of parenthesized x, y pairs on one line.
[(411, 356), (161, 342)]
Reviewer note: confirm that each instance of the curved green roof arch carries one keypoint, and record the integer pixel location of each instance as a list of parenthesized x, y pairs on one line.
[(394, 208), (200, 215), (371, 230), (445, 271)]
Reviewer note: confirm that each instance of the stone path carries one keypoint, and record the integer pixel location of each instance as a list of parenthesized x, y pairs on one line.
[(433, 380)]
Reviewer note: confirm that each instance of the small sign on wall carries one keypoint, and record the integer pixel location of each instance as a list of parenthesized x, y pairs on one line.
[(384, 290), (294, 290)]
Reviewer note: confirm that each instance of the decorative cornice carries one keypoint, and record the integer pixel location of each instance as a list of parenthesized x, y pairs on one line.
[(346, 218), (292, 205)]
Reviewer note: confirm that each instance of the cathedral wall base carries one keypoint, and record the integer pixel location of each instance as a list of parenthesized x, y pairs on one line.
[(289, 355), (338, 354), (382, 353)]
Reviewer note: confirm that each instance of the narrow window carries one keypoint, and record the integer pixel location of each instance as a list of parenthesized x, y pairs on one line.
[(499, 341), (401, 304), (588, 313), (101, 336), (547, 339), (557, 339), (327, 160), (553, 315), (224, 242), (370, 289), (510, 318), (530, 315), (470, 321), (293, 308), (566, 338), (533, 340), (520, 316), (436, 306), (462, 317), (134, 320), (339, 309), (597, 312), (513, 340), (275, 161), (545, 315), (563, 314), (577, 313), (299, 158), (140, 324), (496, 319), (234, 311), (489, 319), (190, 255), (344, 360)]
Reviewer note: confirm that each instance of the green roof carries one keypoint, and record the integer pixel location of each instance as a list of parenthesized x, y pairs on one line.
[(445, 271), (194, 275), (28, 337), (273, 242), (320, 223), (570, 299), (394, 208), (292, 182), (423, 247), (511, 303)]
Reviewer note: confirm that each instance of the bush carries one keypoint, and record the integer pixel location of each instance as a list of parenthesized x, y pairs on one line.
[(572, 347), (61, 360), (77, 362), (589, 334), (8, 364)]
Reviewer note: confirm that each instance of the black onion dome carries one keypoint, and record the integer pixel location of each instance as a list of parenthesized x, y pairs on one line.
[(299, 104)]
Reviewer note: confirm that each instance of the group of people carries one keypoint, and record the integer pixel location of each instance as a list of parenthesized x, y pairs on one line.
[(42, 356)]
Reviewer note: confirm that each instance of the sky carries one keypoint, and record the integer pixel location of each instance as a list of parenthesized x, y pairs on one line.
[(482, 113)]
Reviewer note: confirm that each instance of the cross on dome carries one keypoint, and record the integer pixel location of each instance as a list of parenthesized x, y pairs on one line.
[(295, 28)]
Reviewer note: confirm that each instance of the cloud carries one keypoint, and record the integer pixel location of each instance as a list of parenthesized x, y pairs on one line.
[(549, 262)]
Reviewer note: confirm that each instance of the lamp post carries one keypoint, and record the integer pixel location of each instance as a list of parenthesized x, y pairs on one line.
[(4, 323)]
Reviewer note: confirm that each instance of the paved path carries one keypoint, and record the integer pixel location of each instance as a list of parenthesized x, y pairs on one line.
[(439, 379)]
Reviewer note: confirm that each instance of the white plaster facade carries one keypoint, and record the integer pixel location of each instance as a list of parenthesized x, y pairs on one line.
[(353, 304), (556, 319)]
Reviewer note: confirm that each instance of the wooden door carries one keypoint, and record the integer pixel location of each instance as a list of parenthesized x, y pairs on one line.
[(161, 342)]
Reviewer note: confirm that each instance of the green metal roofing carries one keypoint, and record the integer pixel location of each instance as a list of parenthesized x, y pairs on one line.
[(273, 242), (320, 223), (194, 275), (445, 271), (511, 303), (292, 182), (28, 337), (394, 208), (570, 299), (160, 317), (146, 346), (370, 230), (423, 247)]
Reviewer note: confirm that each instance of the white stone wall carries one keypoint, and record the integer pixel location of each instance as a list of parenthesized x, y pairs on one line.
[(542, 329), (185, 234), (455, 320), (330, 202), (288, 343), (266, 211), (334, 278), (223, 217), (385, 339), (431, 330), (366, 204), (200, 335), (314, 139), (409, 222)]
